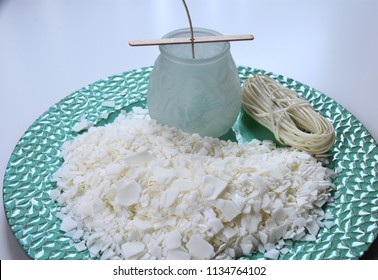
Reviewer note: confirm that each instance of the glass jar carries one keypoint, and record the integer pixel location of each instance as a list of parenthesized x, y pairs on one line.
[(201, 95)]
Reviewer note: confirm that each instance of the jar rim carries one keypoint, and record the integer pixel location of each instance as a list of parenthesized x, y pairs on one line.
[(210, 32)]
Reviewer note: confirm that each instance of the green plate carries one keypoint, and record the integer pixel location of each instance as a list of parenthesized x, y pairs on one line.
[(32, 214)]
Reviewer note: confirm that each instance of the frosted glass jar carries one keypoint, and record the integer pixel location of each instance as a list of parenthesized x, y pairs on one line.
[(201, 95)]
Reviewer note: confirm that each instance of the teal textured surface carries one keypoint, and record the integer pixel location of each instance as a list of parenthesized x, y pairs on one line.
[(32, 214)]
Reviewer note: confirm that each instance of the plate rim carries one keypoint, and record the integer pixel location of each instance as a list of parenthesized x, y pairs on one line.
[(148, 70)]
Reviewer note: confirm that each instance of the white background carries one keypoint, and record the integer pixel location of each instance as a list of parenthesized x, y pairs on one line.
[(51, 48), (346, 270)]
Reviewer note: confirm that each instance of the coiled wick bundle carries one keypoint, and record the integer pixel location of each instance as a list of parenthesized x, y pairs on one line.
[(292, 119)]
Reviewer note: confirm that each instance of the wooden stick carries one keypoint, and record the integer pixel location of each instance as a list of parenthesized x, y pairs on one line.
[(197, 40)]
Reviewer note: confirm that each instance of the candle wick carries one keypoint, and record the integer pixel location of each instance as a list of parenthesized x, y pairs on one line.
[(191, 28)]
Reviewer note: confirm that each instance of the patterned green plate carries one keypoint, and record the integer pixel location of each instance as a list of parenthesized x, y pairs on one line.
[(32, 215)]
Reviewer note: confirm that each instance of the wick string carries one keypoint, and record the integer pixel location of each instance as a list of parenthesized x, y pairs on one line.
[(191, 28)]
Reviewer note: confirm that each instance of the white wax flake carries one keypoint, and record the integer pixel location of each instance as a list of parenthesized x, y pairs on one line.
[(108, 103), (68, 224), (70, 233), (260, 183), (80, 246), (251, 222), (128, 194), (183, 185), (300, 222), (279, 214), (173, 239), (96, 247), (199, 248), (78, 234), (338, 170), (113, 170), (263, 237), (309, 237), (209, 214), (213, 187), (60, 215), (228, 209), (278, 232), (328, 216), (82, 124), (104, 115), (272, 254), (169, 197), (133, 249), (177, 255), (266, 203), (280, 243), (246, 248), (162, 175), (156, 251), (215, 226), (239, 201), (141, 224), (108, 254), (97, 205), (54, 194), (337, 195), (229, 233), (136, 189), (284, 251), (313, 227), (138, 158), (329, 224)]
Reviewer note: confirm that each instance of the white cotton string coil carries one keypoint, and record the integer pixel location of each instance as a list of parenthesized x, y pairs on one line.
[(292, 119)]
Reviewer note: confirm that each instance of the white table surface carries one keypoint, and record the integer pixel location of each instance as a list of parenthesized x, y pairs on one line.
[(51, 48)]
